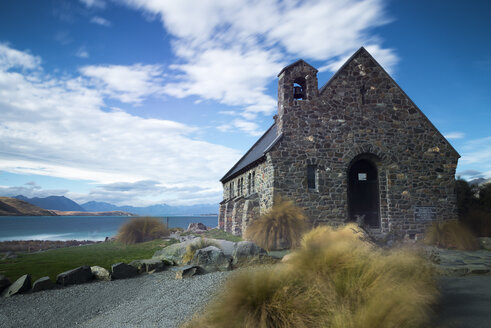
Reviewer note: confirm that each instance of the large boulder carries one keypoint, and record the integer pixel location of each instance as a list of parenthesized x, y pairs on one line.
[(211, 259), (43, 283), (80, 275), (4, 283), (226, 246), (99, 273), (21, 285), (189, 271), (150, 265), (123, 271), (196, 227), (174, 252), (248, 252)]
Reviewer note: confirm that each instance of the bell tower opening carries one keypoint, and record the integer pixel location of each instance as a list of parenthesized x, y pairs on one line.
[(299, 88)]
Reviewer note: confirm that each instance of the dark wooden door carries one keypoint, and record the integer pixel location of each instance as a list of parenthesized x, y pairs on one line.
[(363, 197)]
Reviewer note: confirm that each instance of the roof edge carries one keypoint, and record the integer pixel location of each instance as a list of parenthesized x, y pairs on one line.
[(250, 149), (296, 63)]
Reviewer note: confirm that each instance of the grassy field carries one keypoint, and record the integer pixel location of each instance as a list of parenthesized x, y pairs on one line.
[(52, 262), (215, 234)]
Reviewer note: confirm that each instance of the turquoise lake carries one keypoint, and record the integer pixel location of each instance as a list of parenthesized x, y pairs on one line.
[(79, 227)]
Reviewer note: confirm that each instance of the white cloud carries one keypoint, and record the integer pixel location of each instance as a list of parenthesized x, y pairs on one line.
[(476, 155), (129, 84), (56, 127), (94, 3), (82, 53), (100, 21), (230, 51), (455, 135), (12, 58)]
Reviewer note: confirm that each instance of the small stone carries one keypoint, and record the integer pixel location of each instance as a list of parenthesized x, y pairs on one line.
[(21, 285), (75, 276), (150, 265), (189, 271), (99, 273), (122, 271), (43, 283)]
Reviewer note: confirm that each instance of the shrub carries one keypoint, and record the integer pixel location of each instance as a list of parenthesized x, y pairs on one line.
[(141, 229), (280, 228), (193, 247), (334, 280), (451, 234)]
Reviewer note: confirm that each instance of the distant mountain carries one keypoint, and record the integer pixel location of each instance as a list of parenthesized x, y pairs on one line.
[(153, 210), (479, 181), (60, 203), (16, 207)]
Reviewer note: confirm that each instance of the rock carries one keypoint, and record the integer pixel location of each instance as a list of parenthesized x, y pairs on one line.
[(43, 283), (485, 243), (211, 259), (21, 285), (99, 273), (150, 265), (122, 271), (175, 252), (287, 257), (248, 252), (4, 283), (196, 227), (226, 246), (80, 275), (189, 271)]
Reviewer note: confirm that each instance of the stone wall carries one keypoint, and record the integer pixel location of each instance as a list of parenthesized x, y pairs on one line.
[(416, 166), (237, 211), (360, 113)]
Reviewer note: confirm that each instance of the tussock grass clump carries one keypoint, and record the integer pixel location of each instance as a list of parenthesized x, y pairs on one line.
[(334, 280), (451, 234), (193, 247), (280, 228), (141, 229)]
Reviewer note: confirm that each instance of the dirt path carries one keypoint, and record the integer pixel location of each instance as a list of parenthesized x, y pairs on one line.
[(466, 302)]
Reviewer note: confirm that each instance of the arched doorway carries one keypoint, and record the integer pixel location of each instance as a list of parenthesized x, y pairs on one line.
[(363, 195)]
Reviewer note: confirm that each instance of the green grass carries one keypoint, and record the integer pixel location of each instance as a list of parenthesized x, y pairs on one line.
[(216, 234), (52, 262)]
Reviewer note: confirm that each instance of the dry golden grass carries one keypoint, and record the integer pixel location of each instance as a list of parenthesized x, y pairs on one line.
[(451, 234), (141, 229), (193, 247), (333, 280), (280, 228)]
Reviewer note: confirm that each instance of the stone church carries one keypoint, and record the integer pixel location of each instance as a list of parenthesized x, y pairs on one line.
[(357, 148)]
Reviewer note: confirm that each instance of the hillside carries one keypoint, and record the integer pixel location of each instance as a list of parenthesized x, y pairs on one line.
[(60, 203), (16, 207), (154, 210)]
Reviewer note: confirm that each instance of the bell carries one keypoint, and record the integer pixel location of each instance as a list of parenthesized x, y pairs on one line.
[(297, 92)]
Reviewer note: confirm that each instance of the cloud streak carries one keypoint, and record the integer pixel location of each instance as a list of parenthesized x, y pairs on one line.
[(230, 51), (61, 127)]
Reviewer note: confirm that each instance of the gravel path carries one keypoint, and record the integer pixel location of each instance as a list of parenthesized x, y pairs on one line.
[(156, 300)]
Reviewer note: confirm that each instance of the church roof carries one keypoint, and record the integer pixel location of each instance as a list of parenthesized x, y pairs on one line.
[(255, 154)]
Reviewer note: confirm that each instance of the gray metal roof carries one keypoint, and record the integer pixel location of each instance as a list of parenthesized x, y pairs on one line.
[(257, 151)]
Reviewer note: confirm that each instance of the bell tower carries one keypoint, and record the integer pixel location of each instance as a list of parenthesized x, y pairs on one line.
[(297, 85)]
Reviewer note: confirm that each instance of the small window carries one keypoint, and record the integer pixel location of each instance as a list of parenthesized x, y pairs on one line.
[(231, 190), (253, 181), (249, 183), (311, 170)]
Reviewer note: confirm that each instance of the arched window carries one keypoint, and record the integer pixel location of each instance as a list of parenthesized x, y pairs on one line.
[(299, 88)]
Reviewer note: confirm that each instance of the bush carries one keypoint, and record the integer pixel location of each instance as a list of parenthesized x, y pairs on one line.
[(451, 234), (141, 229), (334, 280), (280, 228), (193, 247)]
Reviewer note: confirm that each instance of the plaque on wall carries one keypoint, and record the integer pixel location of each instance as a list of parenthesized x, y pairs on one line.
[(362, 176), (424, 213)]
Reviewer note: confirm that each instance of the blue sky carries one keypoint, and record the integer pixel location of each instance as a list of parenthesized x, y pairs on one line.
[(141, 102)]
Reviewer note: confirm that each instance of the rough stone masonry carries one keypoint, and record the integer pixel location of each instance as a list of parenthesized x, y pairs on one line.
[(356, 149)]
